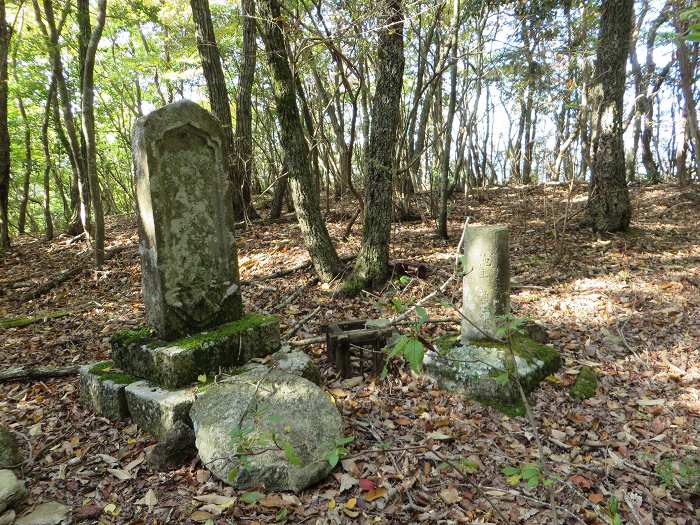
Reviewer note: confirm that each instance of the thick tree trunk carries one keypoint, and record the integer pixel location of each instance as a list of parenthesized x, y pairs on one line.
[(608, 199), (244, 116), (296, 150), (372, 265), (218, 95), (88, 107), (5, 35)]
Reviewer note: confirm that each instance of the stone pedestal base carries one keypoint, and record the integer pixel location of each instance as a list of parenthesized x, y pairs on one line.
[(179, 363), (155, 409), (102, 389), (481, 369)]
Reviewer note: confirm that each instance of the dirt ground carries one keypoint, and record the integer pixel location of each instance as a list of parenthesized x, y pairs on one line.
[(627, 305)]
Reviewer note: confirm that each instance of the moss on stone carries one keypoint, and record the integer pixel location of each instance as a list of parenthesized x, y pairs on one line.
[(224, 331), (105, 372), (125, 338), (586, 384)]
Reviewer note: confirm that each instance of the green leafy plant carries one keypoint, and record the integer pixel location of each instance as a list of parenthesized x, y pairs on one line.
[(681, 473), (338, 451), (692, 15), (409, 347), (614, 511), (529, 473)]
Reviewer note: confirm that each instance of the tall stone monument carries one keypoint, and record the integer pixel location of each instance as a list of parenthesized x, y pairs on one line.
[(188, 254), (486, 282), (196, 327), (476, 361)]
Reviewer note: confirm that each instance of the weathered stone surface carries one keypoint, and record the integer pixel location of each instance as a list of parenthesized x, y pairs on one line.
[(294, 362), (7, 518), (480, 369), (156, 410), (188, 253), (102, 389), (271, 410), (51, 513), (486, 280), (10, 453), (12, 490), (176, 447), (180, 363)]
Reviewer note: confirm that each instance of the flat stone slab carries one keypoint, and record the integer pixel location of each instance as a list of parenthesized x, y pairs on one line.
[(50, 513), (156, 410), (180, 363), (267, 428), (479, 368), (102, 389), (294, 362)]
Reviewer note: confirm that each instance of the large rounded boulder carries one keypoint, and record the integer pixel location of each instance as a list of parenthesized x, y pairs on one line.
[(267, 428)]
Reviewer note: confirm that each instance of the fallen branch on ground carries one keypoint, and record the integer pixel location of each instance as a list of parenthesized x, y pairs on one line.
[(39, 372), (65, 275)]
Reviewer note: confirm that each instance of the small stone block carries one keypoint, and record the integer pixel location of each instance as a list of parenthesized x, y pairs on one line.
[(479, 368), (102, 390), (180, 363), (156, 410)]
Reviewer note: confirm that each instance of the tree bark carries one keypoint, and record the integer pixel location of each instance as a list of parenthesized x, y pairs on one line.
[(372, 265), (687, 80), (608, 199), (5, 36), (51, 35), (218, 95), (244, 116), (48, 221), (451, 105), (88, 107), (296, 151)]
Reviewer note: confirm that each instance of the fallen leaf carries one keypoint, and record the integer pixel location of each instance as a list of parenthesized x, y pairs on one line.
[(201, 516), (366, 484), (377, 493), (119, 473), (450, 495), (346, 482)]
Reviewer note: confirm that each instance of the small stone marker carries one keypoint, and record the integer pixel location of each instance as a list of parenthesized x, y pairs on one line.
[(188, 253), (475, 362), (486, 283)]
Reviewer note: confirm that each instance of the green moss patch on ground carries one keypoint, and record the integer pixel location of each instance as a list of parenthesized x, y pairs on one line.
[(586, 384)]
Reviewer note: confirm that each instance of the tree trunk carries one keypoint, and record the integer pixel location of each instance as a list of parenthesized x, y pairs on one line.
[(22, 219), (244, 117), (687, 81), (5, 36), (88, 106), (608, 199), (48, 222), (372, 265), (75, 149), (218, 95), (296, 150), (445, 160)]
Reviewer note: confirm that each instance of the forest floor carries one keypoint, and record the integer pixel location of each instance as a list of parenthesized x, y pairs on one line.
[(627, 305)]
